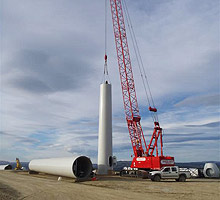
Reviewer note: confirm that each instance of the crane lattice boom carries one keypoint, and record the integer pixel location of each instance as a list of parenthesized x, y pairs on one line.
[(143, 154), (127, 80)]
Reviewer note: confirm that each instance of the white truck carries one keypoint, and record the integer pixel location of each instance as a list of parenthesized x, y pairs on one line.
[(172, 172)]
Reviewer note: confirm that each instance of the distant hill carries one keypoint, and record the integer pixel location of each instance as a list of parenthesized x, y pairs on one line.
[(122, 164), (13, 164), (199, 165), (196, 164), (2, 162)]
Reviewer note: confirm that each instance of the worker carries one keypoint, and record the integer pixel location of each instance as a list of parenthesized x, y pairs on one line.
[(18, 164)]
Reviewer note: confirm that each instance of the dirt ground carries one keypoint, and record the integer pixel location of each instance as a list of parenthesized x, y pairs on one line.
[(21, 185)]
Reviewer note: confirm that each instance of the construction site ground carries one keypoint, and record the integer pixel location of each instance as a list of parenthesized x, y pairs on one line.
[(21, 185)]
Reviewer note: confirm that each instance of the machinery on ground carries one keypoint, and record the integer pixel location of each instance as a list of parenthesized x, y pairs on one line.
[(144, 155), (169, 173)]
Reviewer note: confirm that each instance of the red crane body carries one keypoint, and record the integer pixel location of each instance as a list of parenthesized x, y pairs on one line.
[(144, 157)]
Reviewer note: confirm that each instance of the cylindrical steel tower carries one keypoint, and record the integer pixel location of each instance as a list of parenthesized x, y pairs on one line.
[(74, 167), (105, 129)]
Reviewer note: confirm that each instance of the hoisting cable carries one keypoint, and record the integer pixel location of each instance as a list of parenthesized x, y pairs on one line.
[(106, 77), (142, 77), (140, 69), (142, 65), (140, 62)]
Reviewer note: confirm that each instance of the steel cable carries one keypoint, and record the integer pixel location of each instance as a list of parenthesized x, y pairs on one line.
[(140, 61)]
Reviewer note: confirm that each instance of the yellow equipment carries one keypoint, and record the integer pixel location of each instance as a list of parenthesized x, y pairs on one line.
[(18, 165)]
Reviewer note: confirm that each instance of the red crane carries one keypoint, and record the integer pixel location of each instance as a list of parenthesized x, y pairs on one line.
[(144, 157)]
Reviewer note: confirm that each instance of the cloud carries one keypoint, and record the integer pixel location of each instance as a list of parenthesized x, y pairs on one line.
[(213, 100), (212, 124), (52, 65), (191, 138), (18, 139), (45, 73), (177, 48)]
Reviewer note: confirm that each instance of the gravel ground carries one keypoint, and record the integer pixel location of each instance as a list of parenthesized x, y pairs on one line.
[(21, 185)]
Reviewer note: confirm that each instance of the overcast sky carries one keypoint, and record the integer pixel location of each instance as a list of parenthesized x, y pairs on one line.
[(52, 65)]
